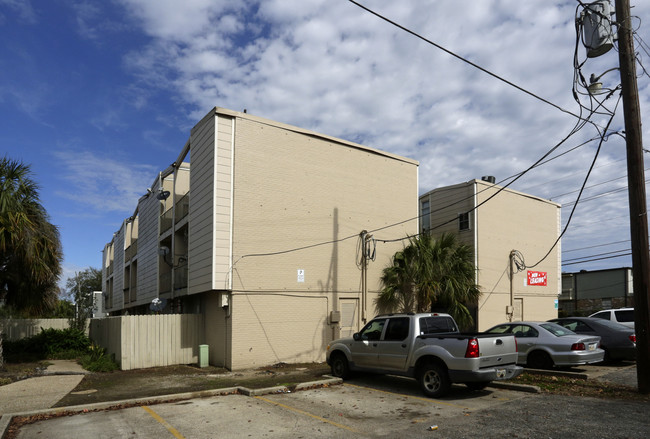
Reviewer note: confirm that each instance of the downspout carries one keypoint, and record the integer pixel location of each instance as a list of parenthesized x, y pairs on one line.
[(510, 311), (475, 225), (364, 276)]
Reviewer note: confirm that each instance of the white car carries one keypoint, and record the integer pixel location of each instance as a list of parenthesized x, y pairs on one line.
[(624, 316), (543, 345)]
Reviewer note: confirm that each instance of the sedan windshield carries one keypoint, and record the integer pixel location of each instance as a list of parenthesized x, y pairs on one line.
[(556, 329)]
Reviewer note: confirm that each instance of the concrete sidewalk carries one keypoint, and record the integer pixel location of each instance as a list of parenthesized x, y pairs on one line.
[(41, 392)]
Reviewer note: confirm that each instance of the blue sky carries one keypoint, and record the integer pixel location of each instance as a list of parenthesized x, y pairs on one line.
[(98, 96)]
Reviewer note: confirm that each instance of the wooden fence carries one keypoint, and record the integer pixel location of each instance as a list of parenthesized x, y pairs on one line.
[(150, 341), (16, 329)]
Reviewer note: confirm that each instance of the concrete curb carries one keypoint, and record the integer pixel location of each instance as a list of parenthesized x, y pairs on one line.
[(5, 420), (46, 373), (518, 387)]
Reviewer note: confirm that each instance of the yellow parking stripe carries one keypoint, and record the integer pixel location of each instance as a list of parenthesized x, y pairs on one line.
[(434, 401), (157, 417), (302, 412)]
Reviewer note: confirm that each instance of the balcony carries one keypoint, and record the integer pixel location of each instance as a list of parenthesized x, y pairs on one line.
[(166, 221), (180, 277), (183, 207), (165, 282), (131, 250)]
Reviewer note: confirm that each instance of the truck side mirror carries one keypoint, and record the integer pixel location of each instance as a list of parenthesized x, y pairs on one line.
[(356, 336)]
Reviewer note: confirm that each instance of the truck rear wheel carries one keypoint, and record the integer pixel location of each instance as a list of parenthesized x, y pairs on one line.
[(434, 380), (340, 367)]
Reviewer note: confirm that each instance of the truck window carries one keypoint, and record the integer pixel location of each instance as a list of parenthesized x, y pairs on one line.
[(373, 330), (437, 325), (398, 329), (602, 315), (624, 315)]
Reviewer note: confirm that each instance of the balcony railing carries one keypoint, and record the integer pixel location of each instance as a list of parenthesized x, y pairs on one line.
[(166, 221), (180, 277), (165, 282), (131, 250), (183, 207)]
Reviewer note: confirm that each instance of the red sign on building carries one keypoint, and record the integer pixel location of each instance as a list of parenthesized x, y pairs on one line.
[(537, 278)]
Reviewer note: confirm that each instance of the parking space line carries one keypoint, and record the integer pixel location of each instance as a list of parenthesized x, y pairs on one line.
[(302, 412), (166, 424), (434, 401)]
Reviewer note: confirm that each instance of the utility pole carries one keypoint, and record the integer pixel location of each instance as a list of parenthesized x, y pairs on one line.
[(636, 193)]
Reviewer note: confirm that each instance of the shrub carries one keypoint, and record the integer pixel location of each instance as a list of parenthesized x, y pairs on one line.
[(60, 344), (48, 344), (96, 360)]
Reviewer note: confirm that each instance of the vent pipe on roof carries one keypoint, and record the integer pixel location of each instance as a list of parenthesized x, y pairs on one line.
[(489, 178)]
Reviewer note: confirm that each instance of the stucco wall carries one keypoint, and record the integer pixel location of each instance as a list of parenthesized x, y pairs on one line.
[(300, 202)]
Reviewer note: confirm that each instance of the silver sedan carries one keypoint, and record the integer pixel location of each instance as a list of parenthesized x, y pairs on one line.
[(543, 345)]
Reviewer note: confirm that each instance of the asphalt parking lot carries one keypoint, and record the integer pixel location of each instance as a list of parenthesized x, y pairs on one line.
[(348, 410), (363, 407)]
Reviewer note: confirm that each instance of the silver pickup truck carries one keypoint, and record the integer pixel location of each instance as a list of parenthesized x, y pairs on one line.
[(428, 347)]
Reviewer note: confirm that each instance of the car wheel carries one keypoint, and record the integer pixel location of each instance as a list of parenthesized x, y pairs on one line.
[(340, 367), (434, 380), (539, 360), (477, 385)]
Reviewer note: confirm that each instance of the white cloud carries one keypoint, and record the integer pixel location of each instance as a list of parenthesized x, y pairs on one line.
[(334, 68), (101, 184), (24, 12)]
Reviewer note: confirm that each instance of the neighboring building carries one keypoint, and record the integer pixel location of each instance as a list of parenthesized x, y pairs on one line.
[(586, 292), (259, 232), (509, 221)]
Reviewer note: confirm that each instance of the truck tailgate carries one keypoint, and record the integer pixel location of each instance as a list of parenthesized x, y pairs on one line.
[(495, 350)]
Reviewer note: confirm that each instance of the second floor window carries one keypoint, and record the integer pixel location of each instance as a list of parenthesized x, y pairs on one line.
[(463, 221), (425, 212)]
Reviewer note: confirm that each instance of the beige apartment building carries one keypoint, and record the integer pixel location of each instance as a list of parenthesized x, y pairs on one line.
[(257, 226), (505, 228)]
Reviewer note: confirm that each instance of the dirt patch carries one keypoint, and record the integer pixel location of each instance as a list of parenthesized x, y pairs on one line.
[(12, 372), (143, 383)]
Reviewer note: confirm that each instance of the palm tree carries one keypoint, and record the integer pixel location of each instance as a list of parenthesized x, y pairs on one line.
[(30, 247), (430, 273)]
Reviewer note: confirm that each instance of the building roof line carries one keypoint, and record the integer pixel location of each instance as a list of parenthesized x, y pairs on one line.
[(306, 132)]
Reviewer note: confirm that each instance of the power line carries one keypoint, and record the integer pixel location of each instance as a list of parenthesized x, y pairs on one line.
[(577, 127), (597, 259), (600, 144), (595, 246), (599, 254), (465, 60)]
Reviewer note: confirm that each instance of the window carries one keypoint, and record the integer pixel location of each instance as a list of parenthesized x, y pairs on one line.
[(524, 331), (602, 315), (463, 221), (373, 330), (437, 325), (398, 329), (556, 329), (581, 327), (425, 218), (624, 316), (501, 329)]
